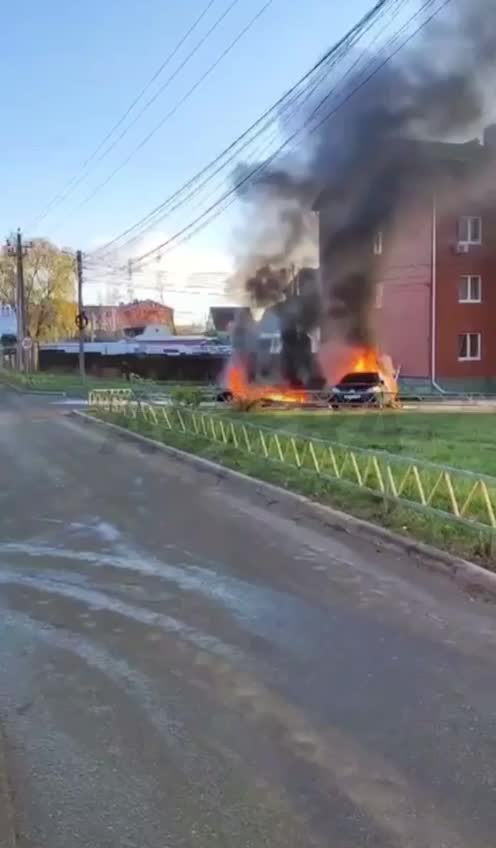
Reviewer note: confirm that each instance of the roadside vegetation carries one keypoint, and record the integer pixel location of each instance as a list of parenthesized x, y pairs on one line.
[(66, 383), (73, 385), (463, 441), (48, 289)]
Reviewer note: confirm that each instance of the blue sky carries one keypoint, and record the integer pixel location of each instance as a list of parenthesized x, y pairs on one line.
[(69, 70)]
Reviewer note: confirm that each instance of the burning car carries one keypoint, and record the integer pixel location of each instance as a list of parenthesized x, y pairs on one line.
[(370, 382), (362, 388)]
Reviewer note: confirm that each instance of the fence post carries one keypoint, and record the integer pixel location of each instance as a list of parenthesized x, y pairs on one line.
[(386, 500)]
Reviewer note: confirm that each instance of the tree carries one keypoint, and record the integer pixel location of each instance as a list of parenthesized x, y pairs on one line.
[(49, 283)]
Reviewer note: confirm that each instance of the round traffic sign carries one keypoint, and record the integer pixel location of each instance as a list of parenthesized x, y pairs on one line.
[(27, 343), (81, 321)]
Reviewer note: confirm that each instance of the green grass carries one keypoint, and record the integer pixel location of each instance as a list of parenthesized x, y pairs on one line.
[(460, 439), (72, 384), (443, 533)]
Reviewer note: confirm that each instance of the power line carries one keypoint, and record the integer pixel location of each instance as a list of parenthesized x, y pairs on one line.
[(77, 178), (179, 103), (166, 209), (264, 120), (171, 78), (187, 232), (195, 184)]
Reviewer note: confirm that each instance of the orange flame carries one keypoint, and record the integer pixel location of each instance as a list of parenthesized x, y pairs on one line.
[(361, 361), (238, 384)]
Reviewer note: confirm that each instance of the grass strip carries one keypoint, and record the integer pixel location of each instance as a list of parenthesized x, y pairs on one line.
[(72, 384), (461, 539), (466, 440)]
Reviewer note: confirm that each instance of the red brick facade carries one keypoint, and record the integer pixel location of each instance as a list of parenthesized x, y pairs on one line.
[(436, 277), (410, 281), (455, 318), (403, 314)]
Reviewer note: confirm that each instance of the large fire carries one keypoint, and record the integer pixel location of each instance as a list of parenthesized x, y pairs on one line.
[(362, 361), (357, 361), (369, 360), (241, 388)]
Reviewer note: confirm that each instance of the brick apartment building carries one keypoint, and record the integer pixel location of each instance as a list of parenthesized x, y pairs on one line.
[(436, 274), (113, 320)]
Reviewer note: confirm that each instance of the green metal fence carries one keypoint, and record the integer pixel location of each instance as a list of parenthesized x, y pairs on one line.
[(451, 493)]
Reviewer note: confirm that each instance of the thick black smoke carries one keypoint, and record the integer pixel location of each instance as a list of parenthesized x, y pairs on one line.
[(366, 163)]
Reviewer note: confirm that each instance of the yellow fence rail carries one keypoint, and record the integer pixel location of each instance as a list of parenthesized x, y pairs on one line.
[(109, 398), (451, 493)]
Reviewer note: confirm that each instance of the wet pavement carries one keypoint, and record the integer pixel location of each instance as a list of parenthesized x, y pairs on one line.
[(183, 663)]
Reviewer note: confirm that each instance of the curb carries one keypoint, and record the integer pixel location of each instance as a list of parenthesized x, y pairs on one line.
[(7, 829), (21, 391), (467, 574)]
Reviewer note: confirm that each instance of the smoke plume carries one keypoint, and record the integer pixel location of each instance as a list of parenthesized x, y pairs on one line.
[(361, 167)]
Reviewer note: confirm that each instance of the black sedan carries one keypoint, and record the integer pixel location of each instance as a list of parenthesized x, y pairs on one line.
[(358, 389)]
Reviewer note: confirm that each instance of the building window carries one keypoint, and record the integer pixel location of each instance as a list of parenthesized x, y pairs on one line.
[(470, 229), (378, 243), (470, 289), (469, 346)]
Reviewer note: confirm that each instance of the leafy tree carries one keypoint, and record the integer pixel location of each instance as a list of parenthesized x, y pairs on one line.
[(49, 283)]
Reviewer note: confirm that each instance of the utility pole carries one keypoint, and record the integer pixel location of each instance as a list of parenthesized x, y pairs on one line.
[(19, 251), (81, 320), (20, 300), (130, 287)]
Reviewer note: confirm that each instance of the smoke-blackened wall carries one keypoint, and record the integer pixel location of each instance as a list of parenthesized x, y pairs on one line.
[(362, 166)]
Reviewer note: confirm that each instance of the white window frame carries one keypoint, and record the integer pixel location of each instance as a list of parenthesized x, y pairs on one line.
[(469, 357), (469, 280), (378, 243), (466, 221)]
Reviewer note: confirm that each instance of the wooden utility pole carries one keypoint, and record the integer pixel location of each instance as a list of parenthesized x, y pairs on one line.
[(20, 301), (81, 317), (19, 251)]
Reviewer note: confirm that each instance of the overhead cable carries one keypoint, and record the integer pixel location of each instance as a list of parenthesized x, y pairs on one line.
[(186, 232)]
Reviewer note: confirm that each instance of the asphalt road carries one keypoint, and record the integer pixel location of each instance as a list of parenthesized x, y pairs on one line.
[(183, 663)]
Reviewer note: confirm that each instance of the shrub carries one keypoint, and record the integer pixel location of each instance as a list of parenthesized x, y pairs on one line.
[(191, 396)]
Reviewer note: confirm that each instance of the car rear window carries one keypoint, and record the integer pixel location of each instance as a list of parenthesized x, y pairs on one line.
[(366, 378)]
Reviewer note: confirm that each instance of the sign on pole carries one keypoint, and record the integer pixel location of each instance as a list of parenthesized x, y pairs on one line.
[(27, 343)]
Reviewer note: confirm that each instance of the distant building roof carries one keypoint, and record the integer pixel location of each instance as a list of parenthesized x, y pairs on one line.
[(147, 302), (222, 317)]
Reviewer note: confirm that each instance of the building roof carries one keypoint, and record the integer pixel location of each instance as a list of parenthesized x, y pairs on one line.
[(222, 316), (130, 305)]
